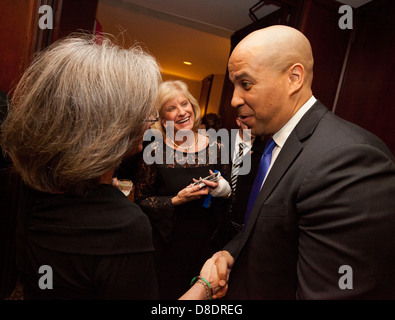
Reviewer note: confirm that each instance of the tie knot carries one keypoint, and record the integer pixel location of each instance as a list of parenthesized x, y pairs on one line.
[(269, 146)]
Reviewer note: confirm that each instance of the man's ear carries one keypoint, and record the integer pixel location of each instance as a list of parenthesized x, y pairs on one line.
[(296, 78)]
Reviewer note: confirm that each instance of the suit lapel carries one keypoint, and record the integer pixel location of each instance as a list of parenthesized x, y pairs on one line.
[(291, 149)]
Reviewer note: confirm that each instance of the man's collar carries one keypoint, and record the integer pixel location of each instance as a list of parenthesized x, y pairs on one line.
[(282, 135)]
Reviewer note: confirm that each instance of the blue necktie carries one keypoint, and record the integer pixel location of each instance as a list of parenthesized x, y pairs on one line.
[(260, 176)]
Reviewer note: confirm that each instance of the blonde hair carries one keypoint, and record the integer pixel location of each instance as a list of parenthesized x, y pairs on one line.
[(169, 90), (77, 111)]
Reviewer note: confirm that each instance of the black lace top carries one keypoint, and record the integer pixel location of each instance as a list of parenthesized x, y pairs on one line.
[(157, 183), (186, 234)]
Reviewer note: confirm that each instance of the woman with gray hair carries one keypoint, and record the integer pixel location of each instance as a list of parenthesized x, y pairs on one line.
[(79, 109)]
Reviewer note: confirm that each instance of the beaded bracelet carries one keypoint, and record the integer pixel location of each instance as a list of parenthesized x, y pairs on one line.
[(206, 288), (206, 284)]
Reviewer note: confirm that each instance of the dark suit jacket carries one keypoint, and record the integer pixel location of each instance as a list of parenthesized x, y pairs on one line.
[(328, 202)]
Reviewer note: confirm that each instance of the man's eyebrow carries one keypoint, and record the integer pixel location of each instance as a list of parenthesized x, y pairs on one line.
[(242, 75)]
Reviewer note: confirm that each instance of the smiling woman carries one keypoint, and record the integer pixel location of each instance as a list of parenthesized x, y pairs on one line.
[(188, 225)]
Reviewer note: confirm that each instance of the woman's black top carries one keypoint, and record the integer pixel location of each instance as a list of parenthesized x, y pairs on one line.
[(185, 236), (98, 246)]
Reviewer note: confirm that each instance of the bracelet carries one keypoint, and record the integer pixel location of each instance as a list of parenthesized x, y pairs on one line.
[(206, 288), (206, 284)]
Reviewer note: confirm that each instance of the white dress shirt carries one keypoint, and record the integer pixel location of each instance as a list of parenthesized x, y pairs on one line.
[(281, 136), (247, 146)]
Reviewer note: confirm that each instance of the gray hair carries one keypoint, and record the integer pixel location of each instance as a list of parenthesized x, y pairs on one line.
[(77, 111)]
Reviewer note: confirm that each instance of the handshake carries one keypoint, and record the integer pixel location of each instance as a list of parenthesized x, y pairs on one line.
[(213, 278)]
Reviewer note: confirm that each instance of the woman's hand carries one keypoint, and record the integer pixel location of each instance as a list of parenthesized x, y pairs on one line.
[(210, 184), (220, 188), (189, 193), (115, 182), (210, 272)]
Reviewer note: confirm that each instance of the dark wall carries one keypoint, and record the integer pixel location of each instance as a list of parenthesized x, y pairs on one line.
[(75, 15), (367, 96), (319, 24)]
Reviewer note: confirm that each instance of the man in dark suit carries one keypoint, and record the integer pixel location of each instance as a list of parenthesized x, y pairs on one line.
[(323, 223)]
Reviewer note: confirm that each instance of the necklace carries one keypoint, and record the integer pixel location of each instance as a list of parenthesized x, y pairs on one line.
[(185, 148)]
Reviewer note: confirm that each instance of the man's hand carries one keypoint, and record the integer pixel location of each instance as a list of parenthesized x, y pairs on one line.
[(216, 270), (208, 272), (224, 263)]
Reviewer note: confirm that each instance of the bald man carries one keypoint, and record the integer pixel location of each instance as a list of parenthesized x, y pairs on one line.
[(323, 223)]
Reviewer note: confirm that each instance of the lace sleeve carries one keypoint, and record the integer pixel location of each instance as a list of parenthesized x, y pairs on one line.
[(146, 195), (159, 209)]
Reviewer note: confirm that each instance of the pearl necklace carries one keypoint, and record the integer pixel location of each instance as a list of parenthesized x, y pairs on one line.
[(185, 148)]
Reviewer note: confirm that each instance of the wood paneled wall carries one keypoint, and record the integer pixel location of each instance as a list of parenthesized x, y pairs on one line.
[(17, 37), (20, 36)]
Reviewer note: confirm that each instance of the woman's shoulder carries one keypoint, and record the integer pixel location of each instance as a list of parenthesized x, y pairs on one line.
[(103, 221), (117, 207), (126, 225)]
